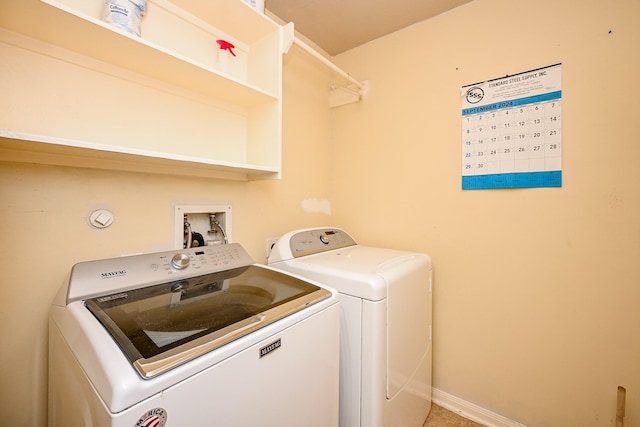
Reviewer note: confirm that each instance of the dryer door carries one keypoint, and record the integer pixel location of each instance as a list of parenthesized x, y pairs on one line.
[(408, 318)]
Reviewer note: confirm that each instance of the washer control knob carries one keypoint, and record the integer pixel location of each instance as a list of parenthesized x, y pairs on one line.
[(324, 239), (180, 261)]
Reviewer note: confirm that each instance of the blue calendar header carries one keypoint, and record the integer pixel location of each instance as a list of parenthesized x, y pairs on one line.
[(513, 103)]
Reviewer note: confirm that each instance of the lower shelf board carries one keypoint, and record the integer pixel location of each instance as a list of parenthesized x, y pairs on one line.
[(36, 149)]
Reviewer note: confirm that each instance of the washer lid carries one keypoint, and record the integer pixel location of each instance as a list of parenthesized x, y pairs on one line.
[(163, 326)]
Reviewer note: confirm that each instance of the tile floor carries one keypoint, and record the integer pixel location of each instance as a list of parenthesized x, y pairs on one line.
[(440, 417)]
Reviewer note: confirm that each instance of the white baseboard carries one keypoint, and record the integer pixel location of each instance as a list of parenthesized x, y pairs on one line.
[(471, 411)]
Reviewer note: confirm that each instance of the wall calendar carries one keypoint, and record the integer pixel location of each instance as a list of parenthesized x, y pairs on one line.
[(511, 131)]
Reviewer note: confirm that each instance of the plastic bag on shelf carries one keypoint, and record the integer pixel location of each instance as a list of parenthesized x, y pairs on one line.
[(124, 14)]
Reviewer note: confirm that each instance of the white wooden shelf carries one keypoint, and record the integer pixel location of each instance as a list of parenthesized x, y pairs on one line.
[(38, 149), (176, 54)]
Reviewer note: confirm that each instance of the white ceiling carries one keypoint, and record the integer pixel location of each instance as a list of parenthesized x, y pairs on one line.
[(340, 25)]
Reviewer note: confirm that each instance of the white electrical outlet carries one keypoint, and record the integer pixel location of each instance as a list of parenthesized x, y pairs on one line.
[(207, 225), (269, 245)]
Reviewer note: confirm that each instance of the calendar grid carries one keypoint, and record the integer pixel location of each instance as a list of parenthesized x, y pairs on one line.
[(513, 138)]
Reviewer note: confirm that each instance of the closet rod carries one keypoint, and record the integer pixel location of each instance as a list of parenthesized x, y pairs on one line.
[(326, 62)]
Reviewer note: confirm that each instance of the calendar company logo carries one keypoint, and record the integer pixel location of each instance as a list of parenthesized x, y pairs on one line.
[(475, 95)]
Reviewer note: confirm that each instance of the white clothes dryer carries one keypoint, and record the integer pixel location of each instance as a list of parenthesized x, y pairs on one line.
[(386, 303)]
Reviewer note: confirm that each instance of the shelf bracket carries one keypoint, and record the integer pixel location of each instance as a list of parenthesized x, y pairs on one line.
[(342, 95), (352, 91)]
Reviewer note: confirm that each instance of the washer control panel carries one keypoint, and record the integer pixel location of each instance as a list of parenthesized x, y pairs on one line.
[(309, 242), (101, 277)]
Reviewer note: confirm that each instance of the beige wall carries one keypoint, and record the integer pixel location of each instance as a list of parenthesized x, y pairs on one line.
[(43, 224), (537, 291)]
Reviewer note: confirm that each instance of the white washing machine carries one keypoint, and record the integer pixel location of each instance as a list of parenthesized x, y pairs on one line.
[(385, 299), (201, 337)]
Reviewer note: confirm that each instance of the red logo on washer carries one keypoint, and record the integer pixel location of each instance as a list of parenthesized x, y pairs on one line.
[(156, 417)]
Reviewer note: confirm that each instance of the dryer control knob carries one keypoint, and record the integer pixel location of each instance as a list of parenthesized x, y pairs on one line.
[(180, 261), (324, 239)]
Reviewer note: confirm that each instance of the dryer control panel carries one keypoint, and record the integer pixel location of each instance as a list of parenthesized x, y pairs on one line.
[(310, 241)]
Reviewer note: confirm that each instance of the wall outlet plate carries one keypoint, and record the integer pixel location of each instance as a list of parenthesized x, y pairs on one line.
[(271, 241), (199, 218)]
